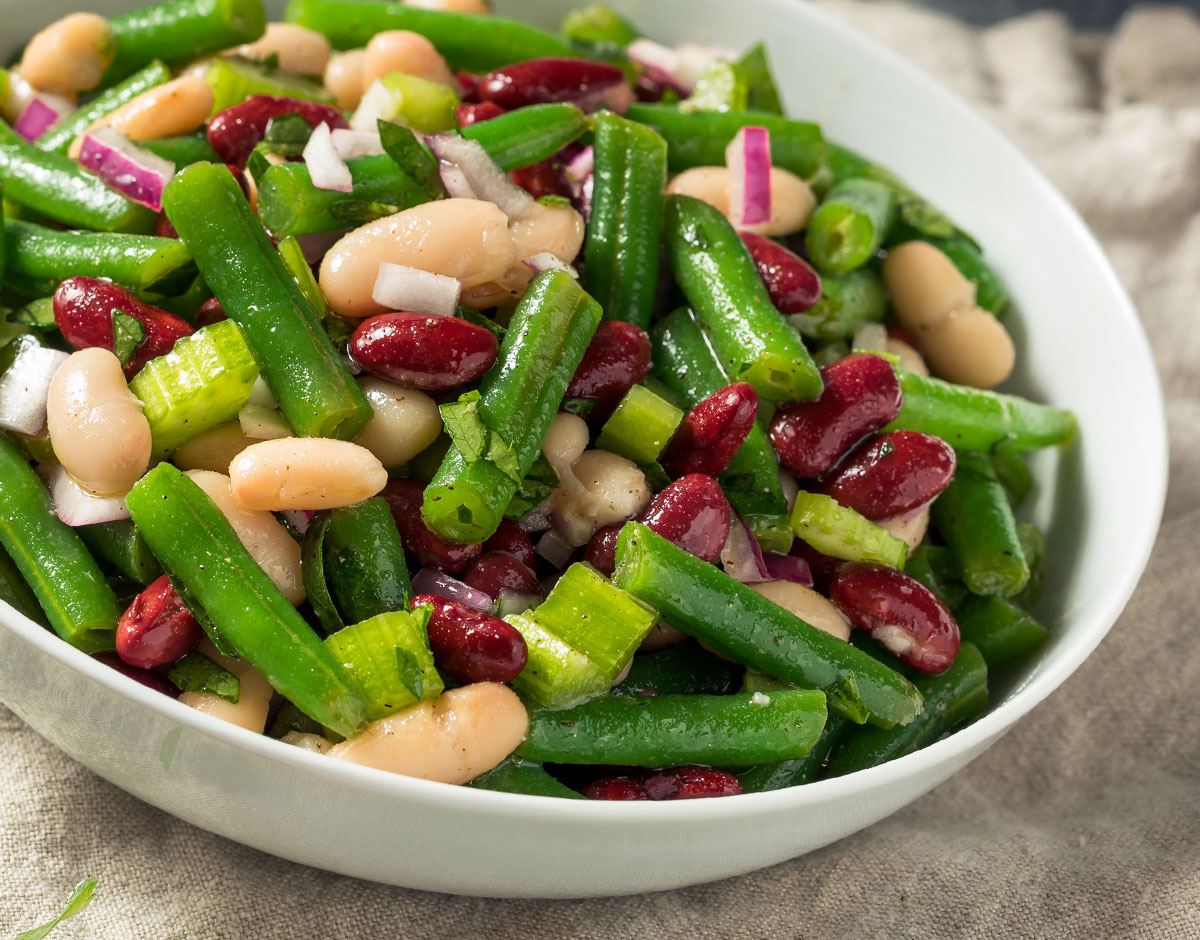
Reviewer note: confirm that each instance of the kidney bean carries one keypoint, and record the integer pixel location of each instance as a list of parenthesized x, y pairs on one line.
[(692, 512), (83, 311), (493, 572), (793, 283), (425, 351), (431, 550), (624, 789), (892, 473), (653, 83), (688, 782), (510, 537), (542, 179), (617, 358), (163, 227), (712, 432), (900, 613), (861, 395), (467, 114), (541, 81), (235, 131), (210, 312), (470, 645), (147, 677), (157, 628)]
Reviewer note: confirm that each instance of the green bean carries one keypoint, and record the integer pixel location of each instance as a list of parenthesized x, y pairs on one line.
[(625, 225), (528, 135), (700, 138), (717, 275), (39, 258), (979, 420), (974, 517), (792, 773), (1002, 631), (849, 225), (16, 593), (742, 624), (990, 292), (55, 186), (599, 23), (936, 567), (761, 93), (544, 344), (1033, 546), (181, 31), (200, 550), (847, 303), (122, 546), (182, 150), (65, 579), (657, 730), (519, 775), (466, 40), (1015, 475), (316, 393), (59, 137), (952, 698), (683, 669)]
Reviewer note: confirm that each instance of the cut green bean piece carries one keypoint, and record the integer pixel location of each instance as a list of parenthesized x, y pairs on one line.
[(59, 137), (936, 567), (761, 93), (847, 303), (849, 225), (316, 393), (16, 593), (840, 532), (122, 546), (521, 775), (683, 669), (235, 80), (65, 579), (1033, 546), (1003, 632), (742, 624), (976, 419), (389, 658), (793, 773), (182, 150), (1015, 476), (199, 549), (468, 41), (640, 427), (721, 86), (528, 135), (974, 517)]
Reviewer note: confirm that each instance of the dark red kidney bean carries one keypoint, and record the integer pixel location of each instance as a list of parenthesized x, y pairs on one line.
[(467, 114), (468, 83), (84, 308), (899, 613), (430, 549), (822, 567), (542, 179), (712, 432), (624, 789), (793, 283), (898, 332), (892, 473), (617, 358), (470, 645), (493, 572), (235, 131), (423, 350), (147, 677), (510, 537), (157, 628), (601, 551), (861, 395), (163, 227), (688, 782), (210, 312), (541, 81)]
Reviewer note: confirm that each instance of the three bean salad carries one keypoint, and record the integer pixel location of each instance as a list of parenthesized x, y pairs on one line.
[(544, 412)]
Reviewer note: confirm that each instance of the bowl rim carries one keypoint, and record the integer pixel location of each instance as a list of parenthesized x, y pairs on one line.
[(520, 807)]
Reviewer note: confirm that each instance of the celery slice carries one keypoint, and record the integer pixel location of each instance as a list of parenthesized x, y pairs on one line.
[(556, 675), (413, 101), (235, 80), (839, 531), (641, 426)]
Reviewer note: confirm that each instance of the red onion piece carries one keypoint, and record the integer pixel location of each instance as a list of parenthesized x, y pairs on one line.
[(24, 387), (455, 181), (741, 556), (511, 602), (314, 245), (555, 549), (41, 114), (76, 507), (748, 157), (788, 568), (412, 290), (326, 168), (129, 169), (351, 143), (299, 519), (661, 59), (432, 581), (547, 261), (483, 176)]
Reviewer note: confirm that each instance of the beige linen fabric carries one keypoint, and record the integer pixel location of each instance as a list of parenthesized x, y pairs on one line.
[(1081, 824)]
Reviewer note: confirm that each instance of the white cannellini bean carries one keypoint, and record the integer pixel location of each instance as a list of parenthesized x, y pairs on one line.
[(298, 49), (307, 742), (213, 449), (96, 425), (909, 358), (463, 238), (304, 473), (909, 528), (401, 50), (254, 693), (565, 441), (599, 489), (264, 537), (70, 55), (792, 199), (404, 423), (178, 107), (344, 78), (452, 739), (811, 607), (970, 347), (924, 285), (661, 636)]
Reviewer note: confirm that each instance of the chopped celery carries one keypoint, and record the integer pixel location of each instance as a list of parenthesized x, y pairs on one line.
[(235, 80), (556, 674), (640, 427), (204, 381), (839, 531), (389, 658), (413, 101), (721, 87)]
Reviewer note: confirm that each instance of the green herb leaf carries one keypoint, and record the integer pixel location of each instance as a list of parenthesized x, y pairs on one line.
[(474, 316), (538, 484), (410, 673), (579, 406), (79, 899), (37, 313), (401, 145), (553, 200), (128, 334), (761, 93), (360, 212), (197, 673), (258, 164), (287, 134), (474, 439)]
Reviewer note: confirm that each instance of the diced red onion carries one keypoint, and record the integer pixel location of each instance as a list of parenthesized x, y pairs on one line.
[(616, 98), (555, 549), (455, 181), (536, 520), (692, 61), (129, 169), (432, 581), (262, 424), (325, 167), (788, 568), (377, 103), (41, 114), (585, 198), (748, 157), (511, 602), (412, 290), (741, 556), (261, 394), (485, 178), (547, 261), (314, 245), (75, 506), (581, 167), (350, 143), (654, 55), (870, 336), (299, 519), (24, 387)]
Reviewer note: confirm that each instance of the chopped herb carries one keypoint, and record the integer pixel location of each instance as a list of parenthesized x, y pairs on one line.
[(197, 673)]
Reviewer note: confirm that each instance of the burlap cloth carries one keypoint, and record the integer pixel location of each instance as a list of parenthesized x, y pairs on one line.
[(1084, 822)]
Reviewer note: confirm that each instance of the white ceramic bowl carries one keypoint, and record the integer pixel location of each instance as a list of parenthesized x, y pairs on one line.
[(1080, 346)]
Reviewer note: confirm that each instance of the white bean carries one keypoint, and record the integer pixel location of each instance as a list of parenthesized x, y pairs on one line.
[(401, 50), (254, 694), (909, 528), (452, 739), (178, 107), (661, 636), (600, 488), (463, 238), (970, 347), (813, 608), (96, 425), (404, 423), (566, 440), (304, 473), (70, 55), (262, 535), (792, 199), (924, 285), (213, 449), (344, 78), (297, 48), (909, 358), (307, 742)]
